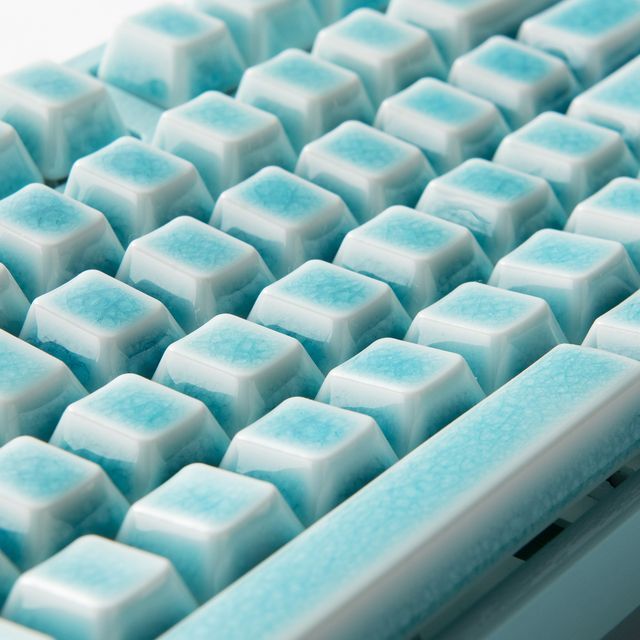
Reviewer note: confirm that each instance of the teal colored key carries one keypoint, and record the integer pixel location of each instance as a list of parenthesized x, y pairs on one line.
[(18, 632), (8, 575), (13, 303), (17, 169), (330, 11)]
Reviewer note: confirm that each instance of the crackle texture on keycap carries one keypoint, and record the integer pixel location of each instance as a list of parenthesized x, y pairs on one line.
[(564, 136), (442, 102)]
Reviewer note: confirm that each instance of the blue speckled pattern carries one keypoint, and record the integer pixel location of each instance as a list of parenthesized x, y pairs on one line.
[(171, 21), (589, 17)]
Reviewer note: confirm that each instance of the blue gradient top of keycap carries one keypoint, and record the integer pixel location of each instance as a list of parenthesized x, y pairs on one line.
[(627, 312), (171, 21), (621, 195), (622, 91), (513, 61), (591, 17), (565, 136), (371, 29)]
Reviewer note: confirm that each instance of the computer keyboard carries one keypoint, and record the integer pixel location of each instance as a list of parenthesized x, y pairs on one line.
[(321, 319)]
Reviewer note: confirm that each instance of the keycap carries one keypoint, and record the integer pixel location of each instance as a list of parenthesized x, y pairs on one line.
[(60, 114), (576, 158), (101, 328), (49, 498), (47, 238), (99, 589), (447, 124), (239, 369), (170, 54), (498, 474), (213, 525), (411, 391), (17, 169), (141, 433), (421, 257), (330, 11), (333, 312), (613, 213), (317, 455), (8, 575), (369, 169), (387, 54), (287, 219), (14, 631), (196, 271), (500, 206), (520, 80), (264, 28), (593, 37), (226, 140), (35, 389), (580, 277), (13, 303)]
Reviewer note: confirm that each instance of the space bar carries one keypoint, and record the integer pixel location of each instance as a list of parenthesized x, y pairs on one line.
[(398, 550)]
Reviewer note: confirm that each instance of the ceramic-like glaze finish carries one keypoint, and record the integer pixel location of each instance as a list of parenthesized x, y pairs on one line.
[(13, 303), (18, 632), (330, 11), (8, 575), (17, 169)]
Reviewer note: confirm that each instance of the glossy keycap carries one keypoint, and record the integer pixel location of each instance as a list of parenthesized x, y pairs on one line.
[(60, 114), (310, 96), (13, 303), (238, 369), (170, 54), (103, 590), (315, 454), (369, 169), (213, 525), (287, 219), (196, 271), (576, 158), (387, 54), (580, 277), (17, 169), (335, 313), (226, 140), (447, 124), (101, 328), (331, 10), (13, 631), (140, 433), (138, 187), (8, 575), (501, 207), (419, 256)]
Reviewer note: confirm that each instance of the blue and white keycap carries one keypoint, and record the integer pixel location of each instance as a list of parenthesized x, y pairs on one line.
[(213, 525), (411, 391), (289, 220), (447, 124), (60, 114), (17, 168), (580, 277), (19, 632), (335, 313), (8, 575), (369, 169), (227, 141), (196, 271), (100, 589), (576, 158), (387, 54), (170, 54), (331, 10), (239, 369), (13, 303), (101, 328), (317, 455), (421, 257), (141, 433), (138, 187)]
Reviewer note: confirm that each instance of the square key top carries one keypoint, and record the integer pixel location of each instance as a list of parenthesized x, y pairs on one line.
[(447, 124), (169, 54), (501, 207), (594, 37), (332, 311), (8, 575), (287, 219), (13, 303), (60, 114), (212, 524), (331, 10), (499, 333), (35, 388), (520, 80), (140, 433), (369, 169), (576, 158), (226, 140), (196, 271), (317, 455), (310, 96), (411, 391), (101, 328), (419, 256), (239, 369), (264, 28), (17, 169), (580, 277), (102, 590), (48, 498), (47, 238), (387, 54)]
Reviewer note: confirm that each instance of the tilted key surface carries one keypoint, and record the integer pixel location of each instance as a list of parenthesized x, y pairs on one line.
[(16, 165)]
